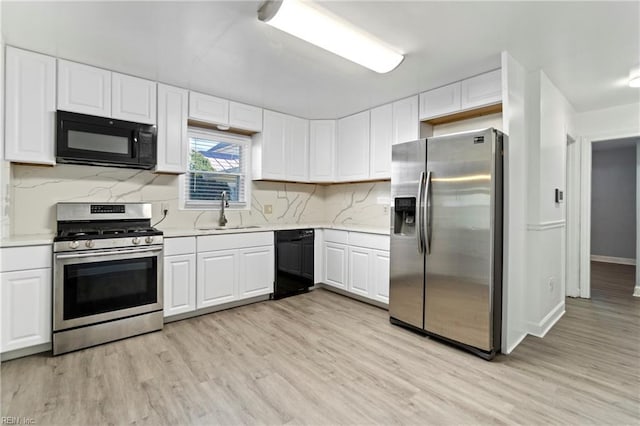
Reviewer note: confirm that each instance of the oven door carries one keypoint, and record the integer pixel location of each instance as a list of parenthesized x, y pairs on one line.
[(92, 287)]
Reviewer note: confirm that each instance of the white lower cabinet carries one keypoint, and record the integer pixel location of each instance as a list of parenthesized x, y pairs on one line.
[(358, 263), (200, 272), (335, 265), (255, 278), (380, 275), (25, 296), (217, 278), (179, 284)]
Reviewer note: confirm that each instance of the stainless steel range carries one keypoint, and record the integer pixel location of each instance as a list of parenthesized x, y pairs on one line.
[(107, 274)]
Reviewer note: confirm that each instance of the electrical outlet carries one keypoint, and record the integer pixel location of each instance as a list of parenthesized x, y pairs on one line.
[(552, 284), (163, 207), (267, 209)]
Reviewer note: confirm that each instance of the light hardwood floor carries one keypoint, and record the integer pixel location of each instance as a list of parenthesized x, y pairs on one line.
[(321, 358)]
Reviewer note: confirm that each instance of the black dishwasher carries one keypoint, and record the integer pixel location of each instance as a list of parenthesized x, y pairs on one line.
[(294, 262)]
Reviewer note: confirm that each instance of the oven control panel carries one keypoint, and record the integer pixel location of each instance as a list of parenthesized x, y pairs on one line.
[(107, 208)]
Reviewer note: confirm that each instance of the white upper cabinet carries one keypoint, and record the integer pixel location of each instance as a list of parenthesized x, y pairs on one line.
[(406, 125), (268, 148), (381, 139), (247, 117), (134, 99), (281, 151), (30, 108), (208, 109), (322, 143), (173, 143), (352, 153), (483, 89), (441, 101), (84, 89), (296, 149)]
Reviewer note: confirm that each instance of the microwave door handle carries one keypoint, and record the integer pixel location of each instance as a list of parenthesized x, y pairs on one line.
[(134, 144)]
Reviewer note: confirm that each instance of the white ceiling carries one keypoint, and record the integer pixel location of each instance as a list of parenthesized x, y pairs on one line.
[(586, 48)]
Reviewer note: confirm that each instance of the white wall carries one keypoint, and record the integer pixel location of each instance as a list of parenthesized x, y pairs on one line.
[(4, 166), (549, 120), (636, 291), (609, 123), (514, 317)]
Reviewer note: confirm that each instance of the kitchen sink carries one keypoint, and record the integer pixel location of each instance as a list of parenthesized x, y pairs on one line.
[(229, 228)]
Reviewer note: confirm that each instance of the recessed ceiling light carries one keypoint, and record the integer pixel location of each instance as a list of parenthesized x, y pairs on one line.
[(305, 20)]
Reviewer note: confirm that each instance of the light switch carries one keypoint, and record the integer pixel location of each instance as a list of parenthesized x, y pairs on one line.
[(559, 196)]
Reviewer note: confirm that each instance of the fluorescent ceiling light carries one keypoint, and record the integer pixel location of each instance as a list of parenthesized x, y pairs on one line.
[(306, 21), (634, 76), (634, 82)]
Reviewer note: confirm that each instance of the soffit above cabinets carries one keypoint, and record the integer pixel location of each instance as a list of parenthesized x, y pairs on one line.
[(221, 48)]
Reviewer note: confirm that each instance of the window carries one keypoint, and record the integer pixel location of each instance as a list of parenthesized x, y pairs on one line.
[(217, 162)]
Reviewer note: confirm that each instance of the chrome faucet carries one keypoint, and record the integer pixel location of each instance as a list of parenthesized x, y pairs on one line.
[(225, 203)]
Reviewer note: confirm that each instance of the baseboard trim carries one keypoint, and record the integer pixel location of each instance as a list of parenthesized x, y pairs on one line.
[(543, 226), (357, 297), (611, 259), (217, 308), (512, 347), (542, 328), (31, 350)]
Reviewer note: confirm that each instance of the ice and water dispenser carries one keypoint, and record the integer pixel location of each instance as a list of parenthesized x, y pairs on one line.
[(405, 216)]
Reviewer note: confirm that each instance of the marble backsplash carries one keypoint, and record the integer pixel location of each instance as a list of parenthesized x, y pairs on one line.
[(35, 190)]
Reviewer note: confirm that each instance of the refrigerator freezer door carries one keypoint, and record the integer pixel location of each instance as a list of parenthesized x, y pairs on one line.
[(459, 216), (406, 286)]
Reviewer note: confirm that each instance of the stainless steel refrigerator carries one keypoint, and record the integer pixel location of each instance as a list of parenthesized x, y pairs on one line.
[(446, 238)]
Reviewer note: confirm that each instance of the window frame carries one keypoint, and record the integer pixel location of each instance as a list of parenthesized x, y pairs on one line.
[(245, 142)]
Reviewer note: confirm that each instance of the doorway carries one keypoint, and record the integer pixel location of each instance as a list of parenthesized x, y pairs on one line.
[(610, 209)]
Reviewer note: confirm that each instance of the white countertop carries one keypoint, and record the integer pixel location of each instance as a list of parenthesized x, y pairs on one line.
[(46, 239), (171, 232)]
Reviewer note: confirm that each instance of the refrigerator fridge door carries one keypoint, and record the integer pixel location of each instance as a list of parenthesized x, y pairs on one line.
[(406, 286), (460, 230)]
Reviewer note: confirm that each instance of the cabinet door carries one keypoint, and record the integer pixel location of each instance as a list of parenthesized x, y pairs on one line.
[(173, 143), (335, 265), (208, 109), (297, 149), (84, 89), (30, 107), (247, 117), (441, 101), (256, 271), (322, 142), (26, 308), (133, 99), (481, 90), (381, 139), (271, 153), (359, 271), (179, 284), (406, 125), (380, 275), (217, 278), (353, 147)]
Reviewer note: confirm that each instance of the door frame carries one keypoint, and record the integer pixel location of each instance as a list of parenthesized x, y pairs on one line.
[(572, 218), (585, 204)]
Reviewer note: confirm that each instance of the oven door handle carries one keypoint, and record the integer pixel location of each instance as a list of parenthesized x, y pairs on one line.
[(107, 253)]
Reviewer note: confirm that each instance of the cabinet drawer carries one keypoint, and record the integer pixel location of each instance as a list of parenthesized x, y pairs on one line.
[(335, 236), (373, 241), (22, 258), (234, 241), (182, 245)]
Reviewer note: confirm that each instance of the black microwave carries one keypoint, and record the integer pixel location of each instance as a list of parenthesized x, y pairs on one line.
[(86, 139)]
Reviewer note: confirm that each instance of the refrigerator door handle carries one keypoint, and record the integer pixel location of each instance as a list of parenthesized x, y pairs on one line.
[(419, 217), (427, 214)]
